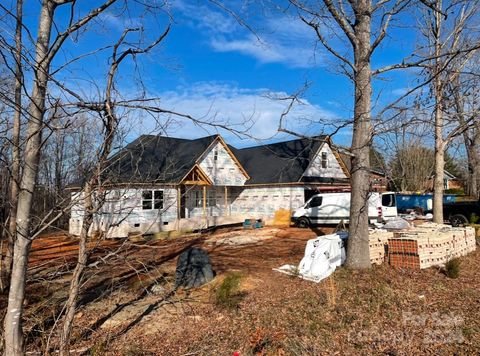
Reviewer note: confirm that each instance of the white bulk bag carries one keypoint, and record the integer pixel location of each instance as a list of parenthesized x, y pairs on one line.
[(322, 256)]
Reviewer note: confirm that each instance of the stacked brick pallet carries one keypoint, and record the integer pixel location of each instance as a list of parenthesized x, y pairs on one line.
[(429, 245), (403, 252), (378, 245)]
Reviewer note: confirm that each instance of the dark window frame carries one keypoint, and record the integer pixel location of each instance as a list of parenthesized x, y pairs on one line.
[(324, 156), (152, 199)]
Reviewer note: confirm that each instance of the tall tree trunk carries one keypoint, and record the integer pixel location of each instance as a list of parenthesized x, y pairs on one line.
[(476, 161), (15, 175), (438, 183), (471, 138), (439, 142), (473, 165), (13, 319), (358, 241)]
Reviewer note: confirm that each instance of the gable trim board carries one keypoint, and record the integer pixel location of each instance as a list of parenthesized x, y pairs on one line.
[(196, 169), (233, 157), (341, 162), (220, 166)]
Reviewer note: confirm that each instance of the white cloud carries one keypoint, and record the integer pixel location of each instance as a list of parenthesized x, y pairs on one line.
[(201, 16), (279, 38), (119, 22), (267, 52), (237, 108)]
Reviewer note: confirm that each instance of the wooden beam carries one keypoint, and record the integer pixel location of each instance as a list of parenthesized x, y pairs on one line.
[(226, 202), (195, 182), (342, 164), (205, 201), (179, 203), (196, 170)]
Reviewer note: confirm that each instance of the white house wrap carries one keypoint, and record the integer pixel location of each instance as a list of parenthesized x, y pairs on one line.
[(159, 183)]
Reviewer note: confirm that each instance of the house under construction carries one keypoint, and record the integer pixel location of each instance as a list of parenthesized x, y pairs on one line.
[(159, 183)]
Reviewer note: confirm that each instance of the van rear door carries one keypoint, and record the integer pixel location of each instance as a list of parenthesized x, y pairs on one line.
[(389, 206)]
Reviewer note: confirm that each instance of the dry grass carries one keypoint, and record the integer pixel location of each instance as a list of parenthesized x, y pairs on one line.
[(381, 311), (378, 311)]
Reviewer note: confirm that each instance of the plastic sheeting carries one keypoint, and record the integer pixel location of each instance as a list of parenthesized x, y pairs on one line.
[(322, 256), (397, 224)]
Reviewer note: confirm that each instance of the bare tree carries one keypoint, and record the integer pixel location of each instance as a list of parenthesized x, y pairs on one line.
[(465, 108), (412, 167), (357, 22), (15, 144), (92, 198), (5, 157), (39, 123), (45, 51), (450, 45), (471, 139), (67, 151)]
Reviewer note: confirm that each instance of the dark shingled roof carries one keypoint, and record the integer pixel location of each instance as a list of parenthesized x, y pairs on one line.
[(282, 162), (156, 159), (160, 159)]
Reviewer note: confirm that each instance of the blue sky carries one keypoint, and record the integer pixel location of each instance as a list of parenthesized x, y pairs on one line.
[(213, 68)]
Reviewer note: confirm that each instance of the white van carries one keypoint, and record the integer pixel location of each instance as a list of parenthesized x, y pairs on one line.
[(332, 208)]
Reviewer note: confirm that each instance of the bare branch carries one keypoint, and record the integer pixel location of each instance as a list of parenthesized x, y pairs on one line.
[(342, 22), (325, 44), (60, 39)]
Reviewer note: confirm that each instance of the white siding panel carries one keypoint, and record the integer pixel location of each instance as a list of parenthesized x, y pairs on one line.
[(266, 201), (221, 168), (333, 169), (76, 211), (124, 206)]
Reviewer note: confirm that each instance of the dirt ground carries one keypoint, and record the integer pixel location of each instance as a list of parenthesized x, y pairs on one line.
[(128, 305)]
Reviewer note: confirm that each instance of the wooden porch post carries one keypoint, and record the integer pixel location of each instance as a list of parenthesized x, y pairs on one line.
[(227, 210), (205, 202), (179, 203)]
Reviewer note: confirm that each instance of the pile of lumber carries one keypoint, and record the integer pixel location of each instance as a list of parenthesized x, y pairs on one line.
[(429, 245)]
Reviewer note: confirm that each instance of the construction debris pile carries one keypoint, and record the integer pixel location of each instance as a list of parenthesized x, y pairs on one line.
[(423, 246)]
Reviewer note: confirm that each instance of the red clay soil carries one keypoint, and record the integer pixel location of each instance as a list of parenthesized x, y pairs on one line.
[(61, 246), (380, 311)]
